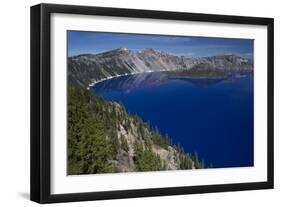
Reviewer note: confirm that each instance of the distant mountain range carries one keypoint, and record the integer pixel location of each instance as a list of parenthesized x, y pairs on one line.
[(85, 69)]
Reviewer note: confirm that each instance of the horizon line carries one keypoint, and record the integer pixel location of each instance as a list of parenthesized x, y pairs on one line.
[(249, 55)]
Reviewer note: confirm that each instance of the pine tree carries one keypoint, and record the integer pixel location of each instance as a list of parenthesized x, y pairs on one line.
[(124, 143)]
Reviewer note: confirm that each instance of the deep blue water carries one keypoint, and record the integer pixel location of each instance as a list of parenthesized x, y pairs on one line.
[(211, 117)]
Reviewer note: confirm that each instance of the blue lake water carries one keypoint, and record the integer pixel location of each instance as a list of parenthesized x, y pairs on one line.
[(211, 117)]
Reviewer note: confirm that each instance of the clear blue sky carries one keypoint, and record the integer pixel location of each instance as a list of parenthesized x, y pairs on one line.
[(97, 42)]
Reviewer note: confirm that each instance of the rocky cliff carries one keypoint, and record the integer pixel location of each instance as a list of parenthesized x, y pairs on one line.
[(89, 68)]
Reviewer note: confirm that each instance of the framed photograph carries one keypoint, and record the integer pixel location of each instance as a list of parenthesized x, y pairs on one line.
[(133, 103)]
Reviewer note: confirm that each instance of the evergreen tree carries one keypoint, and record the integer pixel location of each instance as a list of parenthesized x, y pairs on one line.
[(92, 142), (146, 160), (124, 143), (88, 149)]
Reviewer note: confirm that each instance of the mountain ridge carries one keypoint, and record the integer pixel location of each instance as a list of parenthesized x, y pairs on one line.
[(85, 69)]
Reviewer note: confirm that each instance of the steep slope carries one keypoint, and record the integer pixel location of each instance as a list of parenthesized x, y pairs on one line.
[(88, 68), (104, 138)]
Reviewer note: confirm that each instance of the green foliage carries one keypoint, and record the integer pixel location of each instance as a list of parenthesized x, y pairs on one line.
[(185, 161), (197, 163), (199, 71), (124, 143), (93, 125), (88, 148), (146, 160), (114, 143), (160, 140)]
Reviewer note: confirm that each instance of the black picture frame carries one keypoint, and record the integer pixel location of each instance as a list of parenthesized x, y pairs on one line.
[(41, 96)]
